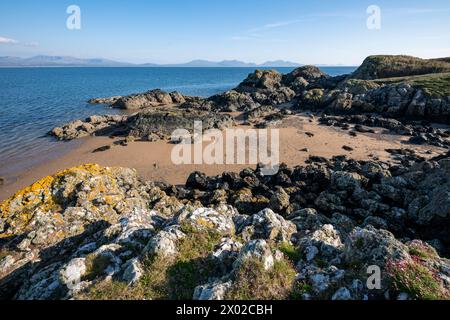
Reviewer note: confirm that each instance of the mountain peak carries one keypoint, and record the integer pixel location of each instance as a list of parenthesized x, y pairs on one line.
[(67, 61)]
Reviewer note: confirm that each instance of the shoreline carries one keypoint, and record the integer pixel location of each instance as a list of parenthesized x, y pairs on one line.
[(153, 162)]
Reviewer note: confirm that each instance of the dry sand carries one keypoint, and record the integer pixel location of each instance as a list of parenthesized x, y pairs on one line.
[(152, 160)]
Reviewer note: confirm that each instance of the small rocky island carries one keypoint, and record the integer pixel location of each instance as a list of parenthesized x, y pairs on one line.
[(310, 232)]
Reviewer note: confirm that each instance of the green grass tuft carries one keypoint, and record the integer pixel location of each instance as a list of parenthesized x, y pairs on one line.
[(435, 85), (252, 282), (165, 279), (422, 250), (290, 251), (300, 288)]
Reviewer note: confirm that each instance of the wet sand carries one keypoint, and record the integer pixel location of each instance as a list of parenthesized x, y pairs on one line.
[(153, 161)]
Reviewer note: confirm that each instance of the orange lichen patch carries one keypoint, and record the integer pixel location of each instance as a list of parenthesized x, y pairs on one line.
[(19, 210), (36, 196), (205, 223)]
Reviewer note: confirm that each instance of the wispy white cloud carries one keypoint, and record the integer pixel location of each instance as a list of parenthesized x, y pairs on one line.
[(9, 41), (4, 40), (274, 25), (258, 39), (257, 32)]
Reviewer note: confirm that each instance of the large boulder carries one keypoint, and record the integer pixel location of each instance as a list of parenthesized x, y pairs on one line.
[(47, 207), (151, 98), (165, 243), (231, 101), (257, 250), (305, 73), (163, 123), (369, 246), (215, 290), (324, 243), (205, 219), (261, 80), (270, 226), (78, 129)]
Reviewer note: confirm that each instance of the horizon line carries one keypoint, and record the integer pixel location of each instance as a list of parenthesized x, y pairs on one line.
[(176, 64)]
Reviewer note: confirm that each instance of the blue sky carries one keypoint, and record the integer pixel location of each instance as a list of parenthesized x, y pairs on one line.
[(172, 31)]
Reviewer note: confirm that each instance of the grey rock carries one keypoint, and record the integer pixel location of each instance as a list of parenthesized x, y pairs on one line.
[(342, 294), (212, 291), (165, 242), (133, 271), (258, 250), (271, 226)]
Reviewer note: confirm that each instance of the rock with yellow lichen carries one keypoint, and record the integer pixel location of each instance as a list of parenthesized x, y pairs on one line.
[(92, 232), (94, 190), (74, 211)]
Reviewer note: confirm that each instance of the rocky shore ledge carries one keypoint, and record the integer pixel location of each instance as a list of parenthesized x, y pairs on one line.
[(317, 231), (404, 99), (309, 232)]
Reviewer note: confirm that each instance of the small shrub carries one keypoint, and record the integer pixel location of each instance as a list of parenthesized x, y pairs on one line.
[(290, 251), (300, 288), (252, 282), (418, 280), (193, 267), (163, 279), (422, 250), (112, 290)]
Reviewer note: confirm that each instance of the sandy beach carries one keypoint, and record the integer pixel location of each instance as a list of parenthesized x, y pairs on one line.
[(153, 162)]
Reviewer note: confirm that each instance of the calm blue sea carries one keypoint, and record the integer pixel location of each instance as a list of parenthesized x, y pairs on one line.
[(34, 100)]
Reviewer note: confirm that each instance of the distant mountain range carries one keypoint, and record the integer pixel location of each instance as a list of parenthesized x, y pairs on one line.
[(229, 64), (64, 61), (58, 61)]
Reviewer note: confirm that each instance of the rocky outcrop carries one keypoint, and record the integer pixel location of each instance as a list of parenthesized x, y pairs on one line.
[(419, 132), (162, 123), (379, 67), (395, 100), (109, 100), (89, 230), (266, 97), (303, 77), (382, 84), (78, 128), (232, 101), (263, 87), (403, 100), (150, 125), (153, 98), (261, 80)]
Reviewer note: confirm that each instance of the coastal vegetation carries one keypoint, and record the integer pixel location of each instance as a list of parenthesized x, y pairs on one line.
[(434, 85), (384, 66)]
